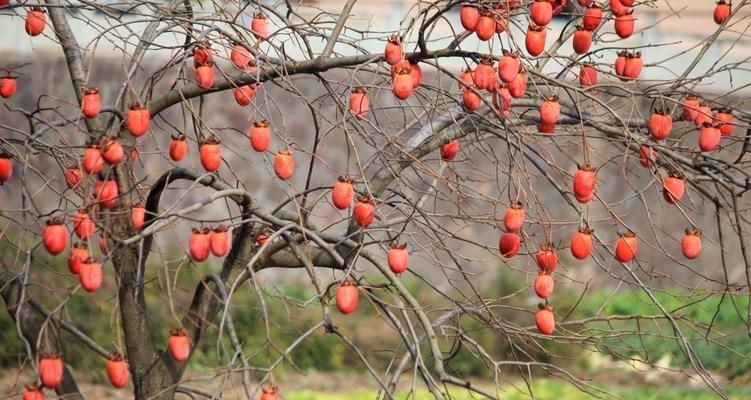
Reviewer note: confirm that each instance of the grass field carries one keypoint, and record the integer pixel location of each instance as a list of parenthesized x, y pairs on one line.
[(546, 390)]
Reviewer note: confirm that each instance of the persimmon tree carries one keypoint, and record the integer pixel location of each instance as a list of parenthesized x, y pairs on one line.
[(529, 158)]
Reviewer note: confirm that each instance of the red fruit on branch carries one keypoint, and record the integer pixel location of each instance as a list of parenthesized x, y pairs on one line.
[(634, 64), (117, 370), (660, 124), (541, 12), (92, 159), (36, 19), (469, 15), (398, 258), (33, 393), (83, 225), (581, 244), (347, 297), (211, 154), (647, 156), (518, 86), (92, 103), (584, 183), (402, 85), (547, 258), (509, 244), (73, 176), (359, 103), (620, 64), (544, 285), (582, 40), (721, 11), (343, 193), (709, 137), (513, 220), (240, 56), (393, 51), (205, 74), (6, 167), (138, 120), (618, 7), (202, 53), (471, 100), (55, 237), (703, 115), (105, 192), (178, 147), (51, 370), (466, 79), (243, 94), (364, 211), (449, 150), (219, 241), (416, 73), (534, 41), (138, 216), (260, 25), (260, 135), (77, 255), (179, 345), (550, 111), (484, 76), (592, 17), (624, 25), (7, 86), (112, 151), (508, 67), (269, 393), (90, 275), (724, 120), (626, 247), (502, 100), (485, 26), (284, 164), (587, 75), (674, 187), (545, 320), (691, 243), (690, 107), (198, 244)]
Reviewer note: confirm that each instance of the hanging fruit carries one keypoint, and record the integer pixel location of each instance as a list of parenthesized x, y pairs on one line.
[(393, 51), (347, 297), (178, 147), (179, 345), (35, 21), (211, 154), (117, 370), (343, 193), (92, 103), (398, 258), (260, 135), (364, 211), (55, 237), (284, 164), (138, 120), (7, 86), (358, 102)]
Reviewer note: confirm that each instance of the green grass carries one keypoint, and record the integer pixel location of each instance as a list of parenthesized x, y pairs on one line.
[(544, 389)]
